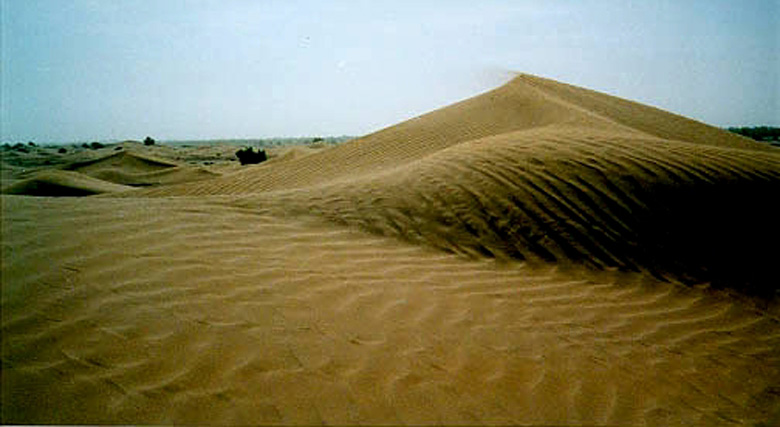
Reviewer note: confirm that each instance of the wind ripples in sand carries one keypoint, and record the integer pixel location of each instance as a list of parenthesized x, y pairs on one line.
[(403, 334)]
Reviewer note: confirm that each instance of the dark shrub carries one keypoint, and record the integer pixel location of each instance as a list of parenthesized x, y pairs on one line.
[(62, 150), (248, 156), (96, 145), (149, 140)]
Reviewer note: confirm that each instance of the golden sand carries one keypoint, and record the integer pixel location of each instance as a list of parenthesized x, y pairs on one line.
[(538, 254)]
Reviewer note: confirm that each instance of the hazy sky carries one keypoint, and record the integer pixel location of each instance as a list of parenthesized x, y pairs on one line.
[(80, 70)]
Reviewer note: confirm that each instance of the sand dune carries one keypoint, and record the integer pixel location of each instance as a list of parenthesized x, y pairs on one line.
[(524, 104), (127, 162), (542, 170), (56, 183), (538, 254), (668, 208), (132, 169), (111, 173)]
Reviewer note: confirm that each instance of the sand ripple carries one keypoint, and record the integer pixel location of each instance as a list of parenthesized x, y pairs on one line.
[(191, 312)]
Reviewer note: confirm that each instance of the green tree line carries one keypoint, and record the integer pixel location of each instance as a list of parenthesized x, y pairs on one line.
[(759, 133)]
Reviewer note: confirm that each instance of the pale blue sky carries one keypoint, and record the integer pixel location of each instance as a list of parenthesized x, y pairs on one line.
[(97, 70)]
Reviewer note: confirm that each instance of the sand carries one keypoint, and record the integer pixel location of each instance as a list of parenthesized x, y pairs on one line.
[(538, 254)]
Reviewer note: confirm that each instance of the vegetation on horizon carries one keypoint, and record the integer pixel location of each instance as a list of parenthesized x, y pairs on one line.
[(267, 142), (759, 133)]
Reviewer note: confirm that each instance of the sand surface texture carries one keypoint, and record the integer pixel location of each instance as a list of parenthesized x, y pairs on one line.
[(538, 254)]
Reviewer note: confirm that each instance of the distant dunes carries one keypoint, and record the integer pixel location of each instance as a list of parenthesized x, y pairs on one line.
[(111, 173)]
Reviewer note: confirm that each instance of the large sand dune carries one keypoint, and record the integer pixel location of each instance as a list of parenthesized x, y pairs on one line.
[(539, 169), (539, 254), (526, 103)]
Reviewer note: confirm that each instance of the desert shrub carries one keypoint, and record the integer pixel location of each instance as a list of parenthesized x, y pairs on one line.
[(149, 140), (96, 145), (62, 150), (248, 156), (20, 148)]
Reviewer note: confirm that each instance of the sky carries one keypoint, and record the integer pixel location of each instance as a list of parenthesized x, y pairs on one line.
[(100, 70)]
